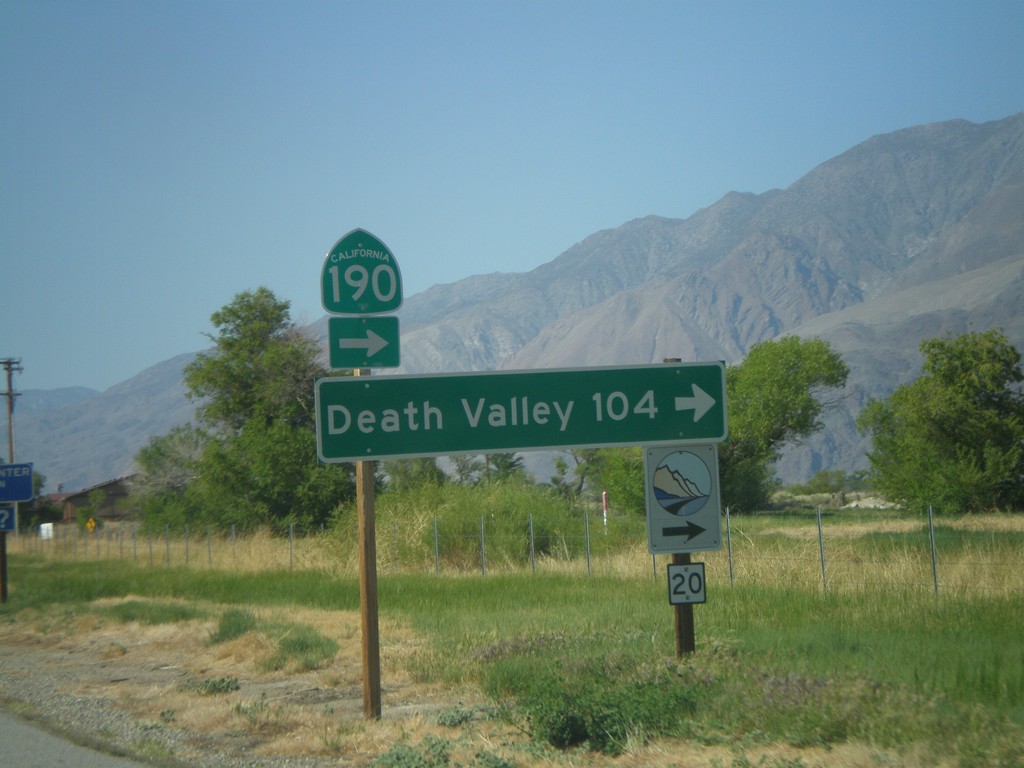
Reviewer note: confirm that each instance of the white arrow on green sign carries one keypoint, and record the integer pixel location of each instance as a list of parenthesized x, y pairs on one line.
[(363, 342), (441, 414)]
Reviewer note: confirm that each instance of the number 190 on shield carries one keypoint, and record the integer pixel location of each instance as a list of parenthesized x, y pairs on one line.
[(686, 584)]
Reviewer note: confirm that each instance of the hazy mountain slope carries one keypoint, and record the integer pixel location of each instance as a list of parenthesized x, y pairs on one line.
[(905, 236), (95, 439), (880, 343), (33, 401)]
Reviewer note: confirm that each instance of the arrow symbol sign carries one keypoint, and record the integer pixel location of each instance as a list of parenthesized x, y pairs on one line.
[(373, 343), (700, 403), (690, 530)]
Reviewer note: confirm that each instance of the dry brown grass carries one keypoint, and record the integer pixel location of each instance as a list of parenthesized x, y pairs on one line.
[(762, 553)]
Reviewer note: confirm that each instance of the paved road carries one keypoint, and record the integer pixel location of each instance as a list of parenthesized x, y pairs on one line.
[(25, 745)]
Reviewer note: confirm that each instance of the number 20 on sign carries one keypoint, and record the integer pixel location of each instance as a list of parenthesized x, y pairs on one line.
[(686, 584)]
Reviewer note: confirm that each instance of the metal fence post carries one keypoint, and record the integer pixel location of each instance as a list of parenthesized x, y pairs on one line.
[(398, 558), (821, 550), (533, 552), (931, 538), (728, 544), (437, 549), (586, 536), (483, 550)]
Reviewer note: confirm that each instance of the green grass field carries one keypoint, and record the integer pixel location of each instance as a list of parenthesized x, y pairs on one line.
[(874, 658)]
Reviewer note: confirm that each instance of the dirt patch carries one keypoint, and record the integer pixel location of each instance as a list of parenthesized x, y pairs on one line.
[(213, 704)]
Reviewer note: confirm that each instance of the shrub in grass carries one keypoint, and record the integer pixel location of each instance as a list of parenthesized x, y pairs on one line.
[(218, 685), (233, 623), (302, 646), (595, 702), (505, 506), (432, 753), (152, 612), (299, 645)]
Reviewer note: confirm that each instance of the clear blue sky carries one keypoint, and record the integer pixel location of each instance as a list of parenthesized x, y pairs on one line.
[(157, 158)]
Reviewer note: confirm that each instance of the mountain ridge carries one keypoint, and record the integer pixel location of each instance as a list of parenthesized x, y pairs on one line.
[(904, 236)]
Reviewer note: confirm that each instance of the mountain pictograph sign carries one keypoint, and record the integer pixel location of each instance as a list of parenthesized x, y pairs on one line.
[(683, 504)]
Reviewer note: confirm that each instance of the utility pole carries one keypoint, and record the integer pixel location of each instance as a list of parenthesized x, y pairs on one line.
[(12, 365)]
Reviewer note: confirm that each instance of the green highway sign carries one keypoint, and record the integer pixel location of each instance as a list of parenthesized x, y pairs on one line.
[(363, 342), (441, 414), (360, 277)]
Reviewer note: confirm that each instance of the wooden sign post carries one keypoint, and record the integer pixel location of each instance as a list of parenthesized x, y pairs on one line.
[(365, 500)]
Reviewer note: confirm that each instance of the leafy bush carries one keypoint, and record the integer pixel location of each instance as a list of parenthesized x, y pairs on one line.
[(595, 702), (233, 623), (433, 753), (299, 644), (152, 612), (506, 508), (304, 646)]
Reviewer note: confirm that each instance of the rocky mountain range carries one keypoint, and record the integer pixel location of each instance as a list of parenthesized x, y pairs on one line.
[(907, 236)]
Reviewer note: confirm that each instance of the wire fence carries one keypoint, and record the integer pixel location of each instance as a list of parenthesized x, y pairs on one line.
[(829, 550)]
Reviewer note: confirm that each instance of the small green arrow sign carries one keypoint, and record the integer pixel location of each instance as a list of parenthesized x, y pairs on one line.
[(363, 342), (360, 277)]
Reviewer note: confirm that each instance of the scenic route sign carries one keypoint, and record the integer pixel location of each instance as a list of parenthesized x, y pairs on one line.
[(360, 277), (436, 415), (684, 511), (363, 342)]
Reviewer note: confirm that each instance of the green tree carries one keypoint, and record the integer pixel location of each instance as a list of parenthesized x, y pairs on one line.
[(467, 468), (261, 368), (955, 436), (620, 472), (775, 397), (167, 465), (503, 466), (92, 509), (407, 474), (252, 460), (41, 509), (569, 481)]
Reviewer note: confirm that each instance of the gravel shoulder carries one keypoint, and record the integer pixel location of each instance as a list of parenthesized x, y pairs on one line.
[(144, 692)]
